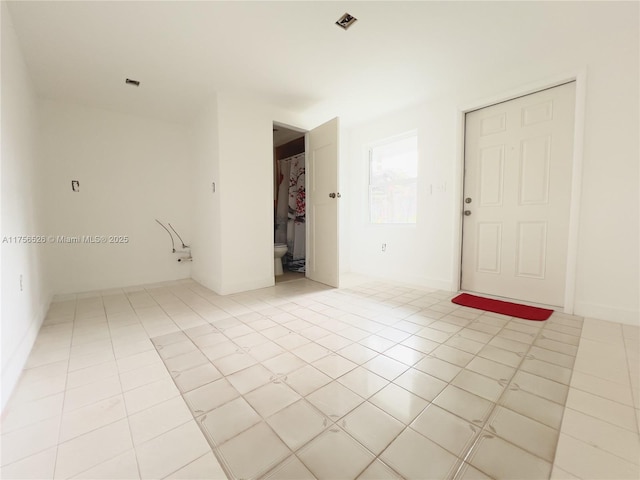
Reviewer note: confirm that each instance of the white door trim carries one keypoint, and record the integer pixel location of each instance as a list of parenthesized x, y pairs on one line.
[(580, 77)]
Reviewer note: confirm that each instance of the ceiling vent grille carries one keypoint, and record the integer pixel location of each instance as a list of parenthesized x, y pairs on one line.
[(346, 20)]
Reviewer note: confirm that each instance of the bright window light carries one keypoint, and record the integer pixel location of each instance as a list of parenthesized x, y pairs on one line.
[(393, 175)]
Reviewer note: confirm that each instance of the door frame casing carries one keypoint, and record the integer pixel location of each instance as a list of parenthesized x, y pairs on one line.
[(580, 78)]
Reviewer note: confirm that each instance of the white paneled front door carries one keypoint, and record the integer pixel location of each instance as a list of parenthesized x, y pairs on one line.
[(517, 190), (322, 203)]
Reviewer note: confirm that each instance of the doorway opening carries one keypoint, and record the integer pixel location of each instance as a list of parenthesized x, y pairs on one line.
[(289, 203)]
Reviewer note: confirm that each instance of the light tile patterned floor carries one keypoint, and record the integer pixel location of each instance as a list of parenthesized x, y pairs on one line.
[(302, 381)]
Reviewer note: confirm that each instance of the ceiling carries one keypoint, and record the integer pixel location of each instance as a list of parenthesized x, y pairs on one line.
[(290, 54)]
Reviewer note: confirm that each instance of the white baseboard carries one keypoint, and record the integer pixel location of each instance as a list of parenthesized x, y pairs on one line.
[(231, 288), (416, 281), (607, 312)]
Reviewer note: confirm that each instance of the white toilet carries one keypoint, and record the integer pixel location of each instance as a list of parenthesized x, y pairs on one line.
[(279, 250)]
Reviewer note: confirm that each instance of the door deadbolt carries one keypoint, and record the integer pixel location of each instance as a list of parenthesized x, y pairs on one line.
[(467, 200), (467, 213)]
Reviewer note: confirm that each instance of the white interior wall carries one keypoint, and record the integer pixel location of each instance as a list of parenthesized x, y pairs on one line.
[(234, 226), (245, 135), (246, 191), (607, 282), (131, 170), (206, 249), (344, 205), (23, 309)]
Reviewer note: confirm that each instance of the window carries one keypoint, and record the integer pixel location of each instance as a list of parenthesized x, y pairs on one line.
[(393, 174)]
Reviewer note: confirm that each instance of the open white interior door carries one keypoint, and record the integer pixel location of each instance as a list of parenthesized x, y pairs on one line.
[(322, 204)]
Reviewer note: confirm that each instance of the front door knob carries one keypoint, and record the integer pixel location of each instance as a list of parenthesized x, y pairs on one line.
[(467, 213), (332, 195)]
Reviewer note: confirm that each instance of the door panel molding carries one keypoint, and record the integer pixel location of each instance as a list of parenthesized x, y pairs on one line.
[(580, 79)]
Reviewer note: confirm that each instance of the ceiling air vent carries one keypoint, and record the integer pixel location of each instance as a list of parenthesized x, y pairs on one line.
[(135, 83), (346, 20)]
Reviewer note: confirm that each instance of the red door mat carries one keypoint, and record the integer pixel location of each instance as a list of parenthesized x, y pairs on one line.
[(505, 308)]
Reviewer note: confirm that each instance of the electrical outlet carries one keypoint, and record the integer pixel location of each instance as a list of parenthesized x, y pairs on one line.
[(384, 247)]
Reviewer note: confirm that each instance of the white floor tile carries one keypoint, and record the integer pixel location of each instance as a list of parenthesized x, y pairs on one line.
[(386, 367), (524, 432), (602, 408), (440, 369), (271, 398), (210, 396), (500, 459), (122, 467), (447, 430), (586, 461), (19, 415), (206, 466), (416, 457), (379, 471), (480, 385), (149, 395), (90, 417), (244, 362), (36, 467), (363, 382), (542, 387), (602, 387), (291, 469), (253, 452), (91, 449), (91, 393), (138, 360), (143, 376), (29, 390), (158, 419), (29, 440), (372, 427), (284, 363), (334, 365), (540, 409), (228, 420), (421, 384), (92, 374), (298, 423), (468, 472), (306, 380), (171, 451), (398, 402), (250, 378), (195, 377), (334, 454), (334, 400), (464, 404), (603, 435)]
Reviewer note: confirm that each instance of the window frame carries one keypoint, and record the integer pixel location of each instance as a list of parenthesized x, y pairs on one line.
[(414, 180)]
